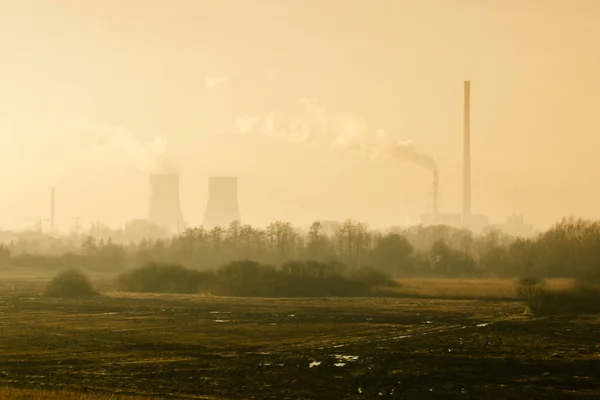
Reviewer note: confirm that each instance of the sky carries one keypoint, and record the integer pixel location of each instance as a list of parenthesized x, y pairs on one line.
[(72, 71)]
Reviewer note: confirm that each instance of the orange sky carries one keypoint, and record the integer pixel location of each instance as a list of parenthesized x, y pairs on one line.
[(69, 66)]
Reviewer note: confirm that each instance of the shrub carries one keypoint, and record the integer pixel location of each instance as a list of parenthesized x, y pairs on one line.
[(373, 277), (69, 284), (532, 291), (581, 299), (249, 278), (163, 278)]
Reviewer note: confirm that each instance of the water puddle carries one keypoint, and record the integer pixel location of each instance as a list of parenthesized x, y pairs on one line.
[(341, 357), (314, 364)]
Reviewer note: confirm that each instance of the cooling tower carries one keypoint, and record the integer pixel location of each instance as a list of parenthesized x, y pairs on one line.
[(222, 207), (467, 153), (165, 208)]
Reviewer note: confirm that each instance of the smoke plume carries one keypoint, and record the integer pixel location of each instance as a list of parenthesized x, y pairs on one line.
[(153, 157), (310, 122)]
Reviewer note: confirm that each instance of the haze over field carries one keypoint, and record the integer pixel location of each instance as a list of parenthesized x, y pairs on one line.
[(92, 94)]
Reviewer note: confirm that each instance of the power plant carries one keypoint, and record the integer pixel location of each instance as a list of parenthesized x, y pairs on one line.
[(222, 206), (466, 219), (165, 207)]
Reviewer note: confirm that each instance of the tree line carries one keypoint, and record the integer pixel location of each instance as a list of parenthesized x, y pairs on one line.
[(570, 248)]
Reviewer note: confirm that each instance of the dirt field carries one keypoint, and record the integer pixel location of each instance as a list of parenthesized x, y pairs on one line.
[(173, 346)]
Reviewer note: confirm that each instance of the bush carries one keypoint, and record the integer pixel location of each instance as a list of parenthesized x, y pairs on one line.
[(581, 299), (373, 277), (163, 278), (70, 284), (247, 278), (532, 291)]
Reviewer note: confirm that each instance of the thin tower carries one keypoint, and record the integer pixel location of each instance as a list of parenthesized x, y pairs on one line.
[(467, 153)]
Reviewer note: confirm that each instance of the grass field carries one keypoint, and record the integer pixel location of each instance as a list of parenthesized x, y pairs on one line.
[(452, 288), (195, 347)]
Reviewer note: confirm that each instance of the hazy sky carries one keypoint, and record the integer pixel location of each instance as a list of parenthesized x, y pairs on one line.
[(69, 67)]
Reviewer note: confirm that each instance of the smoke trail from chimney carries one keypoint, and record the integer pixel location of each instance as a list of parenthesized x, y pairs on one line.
[(150, 158), (311, 123)]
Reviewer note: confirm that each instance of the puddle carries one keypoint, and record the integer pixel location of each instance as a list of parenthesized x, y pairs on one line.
[(268, 364), (222, 320), (341, 357), (314, 364), (109, 313), (340, 364), (482, 324)]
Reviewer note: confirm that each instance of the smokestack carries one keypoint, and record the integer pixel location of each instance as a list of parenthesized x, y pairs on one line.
[(52, 207), (165, 208), (435, 193), (467, 153), (222, 207)]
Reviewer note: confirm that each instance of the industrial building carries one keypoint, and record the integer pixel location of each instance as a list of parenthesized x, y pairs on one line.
[(165, 207), (467, 219), (222, 207)]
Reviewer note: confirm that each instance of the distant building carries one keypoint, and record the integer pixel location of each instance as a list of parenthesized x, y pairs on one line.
[(475, 222), (448, 219), (515, 226)]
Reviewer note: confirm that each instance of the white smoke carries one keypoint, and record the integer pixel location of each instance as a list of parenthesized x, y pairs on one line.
[(152, 157), (310, 122), (213, 81)]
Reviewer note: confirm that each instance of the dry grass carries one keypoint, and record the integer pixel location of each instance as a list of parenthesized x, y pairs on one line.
[(7, 393), (453, 288)]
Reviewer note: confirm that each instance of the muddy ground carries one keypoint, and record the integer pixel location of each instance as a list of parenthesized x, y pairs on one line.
[(225, 348)]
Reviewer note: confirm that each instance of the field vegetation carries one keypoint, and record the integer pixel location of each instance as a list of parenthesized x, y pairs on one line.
[(279, 314), (569, 249)]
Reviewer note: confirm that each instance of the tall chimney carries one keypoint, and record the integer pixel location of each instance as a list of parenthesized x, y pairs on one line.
[(222, 207), (52, 207), (165, 208), (467, 153)]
